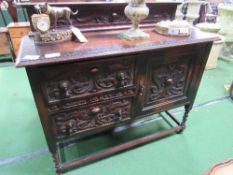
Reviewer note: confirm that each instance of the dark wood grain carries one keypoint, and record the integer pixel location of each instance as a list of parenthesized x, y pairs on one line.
[(101, 15), (61, 118), (12, 10), (103, 44), (93, 87)]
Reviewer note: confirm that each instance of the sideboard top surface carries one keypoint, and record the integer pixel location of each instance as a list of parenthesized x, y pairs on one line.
[(84, 2), (101, 44)]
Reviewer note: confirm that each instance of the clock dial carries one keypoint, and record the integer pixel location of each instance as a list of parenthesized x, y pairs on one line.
[(43, 25)]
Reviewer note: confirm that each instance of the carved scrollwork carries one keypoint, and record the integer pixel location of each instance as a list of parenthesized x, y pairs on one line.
[(106, 80), (80, 85), (101, 18), (110, 18), (89, 80), (94, 117), (119, 79), (168, 81), (95, 99), (66, 88)]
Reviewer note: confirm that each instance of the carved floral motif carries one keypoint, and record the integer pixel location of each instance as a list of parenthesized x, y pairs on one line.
[(167, 81), (112, 18), (95, 99)]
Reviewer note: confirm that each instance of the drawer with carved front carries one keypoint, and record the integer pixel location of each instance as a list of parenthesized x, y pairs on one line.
[(86, 119), (64, 106), (88, 79)]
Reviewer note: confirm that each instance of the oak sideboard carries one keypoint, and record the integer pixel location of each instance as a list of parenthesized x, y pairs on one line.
[(83, 89)]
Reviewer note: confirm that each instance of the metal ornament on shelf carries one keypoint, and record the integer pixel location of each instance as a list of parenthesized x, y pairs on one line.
[(42, 21), (136, 11)]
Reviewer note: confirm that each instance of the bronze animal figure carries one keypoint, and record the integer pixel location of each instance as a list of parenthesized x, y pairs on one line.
[(56, 13)]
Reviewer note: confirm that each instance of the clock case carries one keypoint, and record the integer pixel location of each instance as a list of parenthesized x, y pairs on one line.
[(44, 34)]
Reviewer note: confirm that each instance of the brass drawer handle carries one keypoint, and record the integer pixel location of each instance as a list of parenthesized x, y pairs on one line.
[(71, 126), (141, 88), (121, 79), (94, 70), (169, 81), (71, 123), (95, 110), (63, 87)]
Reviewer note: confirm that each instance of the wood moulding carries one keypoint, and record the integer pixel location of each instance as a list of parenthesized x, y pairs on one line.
[(91, 15)]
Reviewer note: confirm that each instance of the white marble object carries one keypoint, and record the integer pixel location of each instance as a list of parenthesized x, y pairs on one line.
[(193, 10), (226, 22), (136, 11), (217, 45), (179, 14)]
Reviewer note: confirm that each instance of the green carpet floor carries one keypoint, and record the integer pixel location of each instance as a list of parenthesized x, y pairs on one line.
[(207, 140)]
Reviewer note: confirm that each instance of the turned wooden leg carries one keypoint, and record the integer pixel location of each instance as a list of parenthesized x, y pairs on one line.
[(185, 117), (57, 163)]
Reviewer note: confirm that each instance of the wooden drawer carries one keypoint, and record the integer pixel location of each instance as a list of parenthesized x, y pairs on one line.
[(16, 43), (4, 48), (70, 82), (19, 32), (64, 106), (94, 117)]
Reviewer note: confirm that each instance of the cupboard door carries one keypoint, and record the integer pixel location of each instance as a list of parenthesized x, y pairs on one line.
[(163, 81)]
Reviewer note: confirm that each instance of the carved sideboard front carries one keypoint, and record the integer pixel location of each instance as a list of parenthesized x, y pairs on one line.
[(108, 82)]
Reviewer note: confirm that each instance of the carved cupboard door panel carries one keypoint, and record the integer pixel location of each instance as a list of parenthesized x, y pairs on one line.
[(163, 81)]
